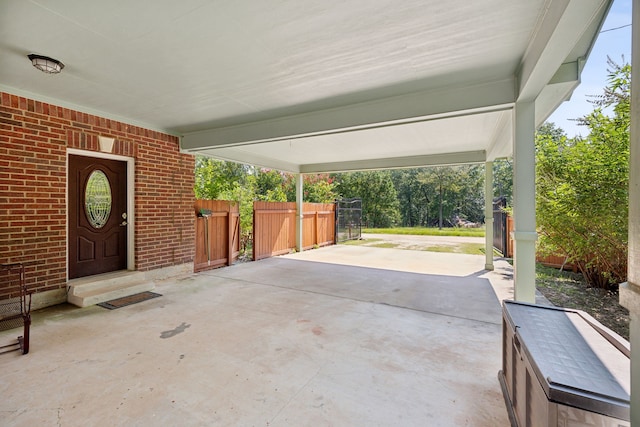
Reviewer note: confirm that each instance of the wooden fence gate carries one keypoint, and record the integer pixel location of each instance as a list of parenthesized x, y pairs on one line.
[(319, 224), (274, 227), (217, 234)]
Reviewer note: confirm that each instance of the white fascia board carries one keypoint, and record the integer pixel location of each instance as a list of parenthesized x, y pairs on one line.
[(407, 108), (397, 162), (559, 89), (249, 159), (551, 97), (502, 142), (569, 72), (564, 25)]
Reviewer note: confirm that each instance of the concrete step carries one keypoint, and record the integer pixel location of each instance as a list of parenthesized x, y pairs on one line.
[(93, 290)]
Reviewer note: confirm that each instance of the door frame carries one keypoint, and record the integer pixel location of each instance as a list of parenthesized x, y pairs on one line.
[(130, 200)]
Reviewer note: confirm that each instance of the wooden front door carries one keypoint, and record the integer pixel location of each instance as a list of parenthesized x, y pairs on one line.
[(97, 216)]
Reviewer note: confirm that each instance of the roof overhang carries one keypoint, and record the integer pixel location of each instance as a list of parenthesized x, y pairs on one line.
[(308, 87)]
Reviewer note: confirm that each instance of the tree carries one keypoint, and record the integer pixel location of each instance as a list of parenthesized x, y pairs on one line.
[(244, 195), (456, 191), (217, 179), (316, 188), (503, 179), (213, 177), (582, 187), (269, 185), (469, 200), (435, 195), (413, 197), (439, 178), (379, 198)]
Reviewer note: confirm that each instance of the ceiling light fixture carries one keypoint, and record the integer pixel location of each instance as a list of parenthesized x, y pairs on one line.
[(46, 64)]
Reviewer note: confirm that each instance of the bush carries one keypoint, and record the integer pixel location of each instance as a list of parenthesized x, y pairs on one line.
[(582, 188)]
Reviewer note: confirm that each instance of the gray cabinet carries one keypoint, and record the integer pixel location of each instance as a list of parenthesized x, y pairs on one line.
[(561, 367)]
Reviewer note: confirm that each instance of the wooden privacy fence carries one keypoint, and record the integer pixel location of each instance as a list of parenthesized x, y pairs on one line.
[(319, 224), (217, 234), (553, 260), (509, 240), (274, 227), (557, 261)]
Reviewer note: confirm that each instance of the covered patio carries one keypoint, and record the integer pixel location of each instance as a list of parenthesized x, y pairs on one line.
[(304, 87), (327, 87), (294, 340)]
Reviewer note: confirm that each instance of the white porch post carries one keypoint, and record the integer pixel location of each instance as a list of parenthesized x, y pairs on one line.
[(488, 214), (524, 203), (299, 215), (630, 291)]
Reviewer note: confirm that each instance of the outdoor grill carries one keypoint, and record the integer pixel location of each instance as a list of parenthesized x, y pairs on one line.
[(561, 367)]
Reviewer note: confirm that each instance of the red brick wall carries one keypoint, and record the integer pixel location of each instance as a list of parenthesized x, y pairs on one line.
[(34, 137)]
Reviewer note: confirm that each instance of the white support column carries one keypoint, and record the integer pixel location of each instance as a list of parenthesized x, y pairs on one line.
[(630, 291), (299, 215), (488, 214), (524, 203)]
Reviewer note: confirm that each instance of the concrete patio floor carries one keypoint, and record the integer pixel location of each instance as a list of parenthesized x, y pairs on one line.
[(397, 338)]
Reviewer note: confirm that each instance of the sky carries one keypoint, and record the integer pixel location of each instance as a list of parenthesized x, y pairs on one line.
[(615, 44)]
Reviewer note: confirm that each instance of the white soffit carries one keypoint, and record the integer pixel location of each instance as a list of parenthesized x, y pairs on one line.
[(402, 145), (223, 73)]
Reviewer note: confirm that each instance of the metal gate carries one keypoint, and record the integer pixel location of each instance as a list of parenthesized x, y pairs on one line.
[(500, 232), (348, 219)]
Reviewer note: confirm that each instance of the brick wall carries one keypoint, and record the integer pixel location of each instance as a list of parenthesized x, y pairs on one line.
[(34, 138)]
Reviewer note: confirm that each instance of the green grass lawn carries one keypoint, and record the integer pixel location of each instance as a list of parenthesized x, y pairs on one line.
[(428, 231), (462, 248)]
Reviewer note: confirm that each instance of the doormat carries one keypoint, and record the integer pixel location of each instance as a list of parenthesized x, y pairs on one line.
[(131, 299)]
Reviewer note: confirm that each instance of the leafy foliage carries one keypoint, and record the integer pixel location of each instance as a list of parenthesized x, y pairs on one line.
[(582, 197), (503, 179), (409, 197), (582, 187), (435, 196), (244, 195), (317, 188), (379, 198), (269, 185), (413, 198), (217, 179), (214, 177)]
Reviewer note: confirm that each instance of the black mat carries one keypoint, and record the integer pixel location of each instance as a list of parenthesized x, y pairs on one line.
[(131, 299)]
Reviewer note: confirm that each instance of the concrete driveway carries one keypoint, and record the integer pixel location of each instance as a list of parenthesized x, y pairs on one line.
[(301, 340)]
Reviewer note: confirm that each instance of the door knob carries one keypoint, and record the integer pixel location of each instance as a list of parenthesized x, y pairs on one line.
[(123, 223)]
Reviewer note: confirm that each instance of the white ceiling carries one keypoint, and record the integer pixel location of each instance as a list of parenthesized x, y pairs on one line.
[(307, 85)]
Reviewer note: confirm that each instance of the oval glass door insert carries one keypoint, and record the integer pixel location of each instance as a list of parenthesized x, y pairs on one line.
[(97, 199)]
